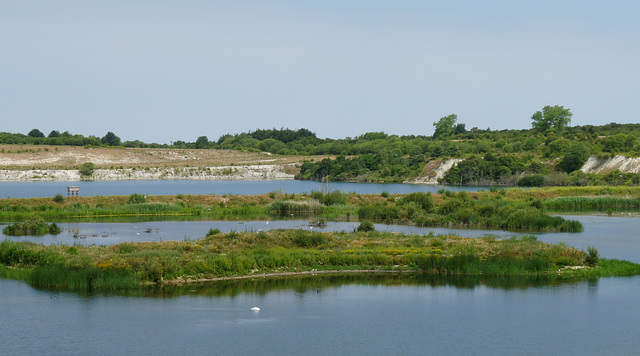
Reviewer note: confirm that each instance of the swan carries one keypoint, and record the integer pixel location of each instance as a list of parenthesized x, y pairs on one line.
[(255, 309)]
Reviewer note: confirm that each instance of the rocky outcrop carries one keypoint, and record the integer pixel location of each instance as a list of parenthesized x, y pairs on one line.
[(434, 170), (247, 172), (621, 163)]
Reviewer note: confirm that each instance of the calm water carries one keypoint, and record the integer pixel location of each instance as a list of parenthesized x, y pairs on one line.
[(322, 315), (171, 187)]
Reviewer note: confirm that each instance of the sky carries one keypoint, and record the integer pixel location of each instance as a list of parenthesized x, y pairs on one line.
[(161, 71)]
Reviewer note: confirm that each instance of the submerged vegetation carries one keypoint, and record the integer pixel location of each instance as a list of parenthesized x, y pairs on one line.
[(35, 226), (235, 254)]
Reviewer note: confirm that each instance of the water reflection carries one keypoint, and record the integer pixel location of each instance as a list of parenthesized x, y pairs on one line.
[(303, 284)]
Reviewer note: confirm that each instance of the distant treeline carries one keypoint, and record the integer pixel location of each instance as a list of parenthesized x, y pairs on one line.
[(530, 157)]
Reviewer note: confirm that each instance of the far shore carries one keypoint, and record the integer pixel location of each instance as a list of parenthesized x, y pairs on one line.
[(244, 172)]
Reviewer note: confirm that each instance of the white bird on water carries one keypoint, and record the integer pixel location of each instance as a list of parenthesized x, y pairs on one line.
[(255, 309)]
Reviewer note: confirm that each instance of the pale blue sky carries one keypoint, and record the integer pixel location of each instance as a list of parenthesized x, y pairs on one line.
[(174, 70)]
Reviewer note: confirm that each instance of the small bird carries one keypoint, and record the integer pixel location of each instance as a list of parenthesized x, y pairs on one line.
[(255, 309)]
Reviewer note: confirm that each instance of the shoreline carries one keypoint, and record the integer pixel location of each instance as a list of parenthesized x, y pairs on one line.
[(185, 281)]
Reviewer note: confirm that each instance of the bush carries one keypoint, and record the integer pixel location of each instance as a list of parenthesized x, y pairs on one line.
[(35, 226), (212, 232), (366, 226), (335, 198), (531, 180), (424, 200), (86, 169), (137, 198), (593, 257), (58, 198)]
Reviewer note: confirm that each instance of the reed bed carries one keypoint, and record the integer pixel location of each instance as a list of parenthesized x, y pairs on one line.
[(592, 203)]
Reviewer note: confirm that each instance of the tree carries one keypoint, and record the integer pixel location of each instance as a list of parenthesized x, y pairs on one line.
[(35, 133), (202, 142), (575, 156), (110, 139), (54, 133), (445, 127), (551, 116)]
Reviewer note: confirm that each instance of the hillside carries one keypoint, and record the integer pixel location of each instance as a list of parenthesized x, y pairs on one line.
[(27, 162)]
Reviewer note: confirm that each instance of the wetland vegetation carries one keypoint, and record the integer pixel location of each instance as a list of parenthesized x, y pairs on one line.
[(255, 254)]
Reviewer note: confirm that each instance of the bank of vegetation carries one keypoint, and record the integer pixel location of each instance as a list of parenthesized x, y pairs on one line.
[(551, 153), (34, 226), (237, 254), (515, 210)]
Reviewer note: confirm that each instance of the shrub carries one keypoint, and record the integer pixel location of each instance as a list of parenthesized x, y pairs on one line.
[(424, 200), (212, 232), (366, 226), (58, 198), (86, 169), (593, 257), (137, 198), (531, 180), (335, 198), (35, 226)]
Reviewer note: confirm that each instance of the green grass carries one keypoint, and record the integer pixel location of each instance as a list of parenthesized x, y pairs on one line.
[(600, 203)]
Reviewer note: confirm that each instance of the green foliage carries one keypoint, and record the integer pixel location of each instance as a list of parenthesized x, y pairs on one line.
[(202, 142), (593, 257), (136, 198), (601, 203), (110, 139), (556, 117), (366, 226), (335, 198), (35, 133), (213, 232), (575, 156), (424, 201), (445, 127), (58, 198), (292, 208), (35, 226), (531, 180), (131, 264), (87, 168)]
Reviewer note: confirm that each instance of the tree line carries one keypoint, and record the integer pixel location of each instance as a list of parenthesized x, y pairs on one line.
[(549, 153)]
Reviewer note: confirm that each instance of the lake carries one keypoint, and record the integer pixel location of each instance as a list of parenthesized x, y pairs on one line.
[(325, 315)]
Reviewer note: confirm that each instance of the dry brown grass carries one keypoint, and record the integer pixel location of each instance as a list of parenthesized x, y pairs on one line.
[(67, 157)]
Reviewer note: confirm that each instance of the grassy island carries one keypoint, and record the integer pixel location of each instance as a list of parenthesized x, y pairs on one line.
[(255, 254)]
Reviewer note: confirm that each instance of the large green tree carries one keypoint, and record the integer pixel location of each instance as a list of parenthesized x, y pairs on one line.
[(551, 116), (445, 127), (110, 139), (35, 133), (202, 142)]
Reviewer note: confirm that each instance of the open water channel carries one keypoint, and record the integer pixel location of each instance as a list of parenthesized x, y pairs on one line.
[(325, 315)]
